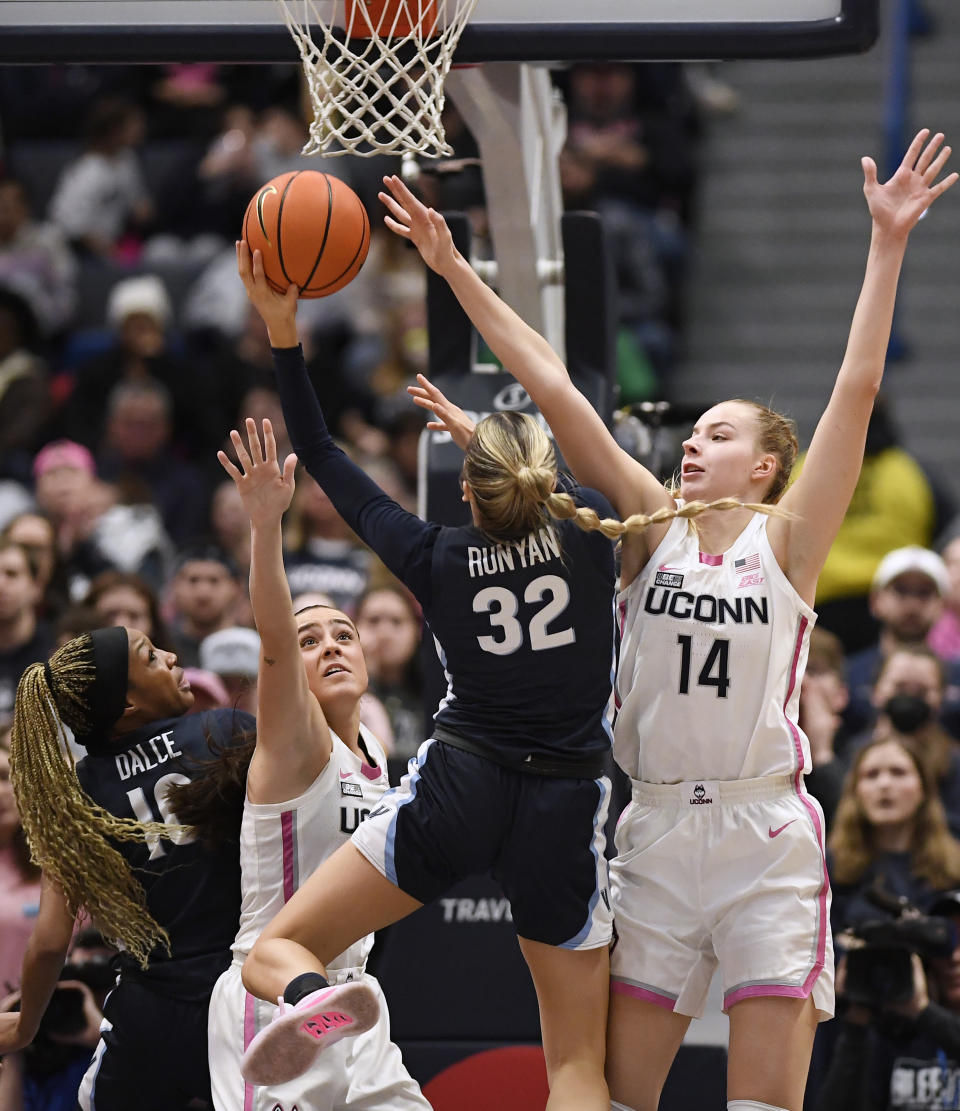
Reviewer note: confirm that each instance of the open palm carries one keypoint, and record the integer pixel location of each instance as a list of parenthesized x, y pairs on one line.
[(898, 204), (447, 416), (265, 488), (425, 228)]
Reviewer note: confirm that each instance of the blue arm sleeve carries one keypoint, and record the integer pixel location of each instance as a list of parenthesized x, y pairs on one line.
[(401, 540)]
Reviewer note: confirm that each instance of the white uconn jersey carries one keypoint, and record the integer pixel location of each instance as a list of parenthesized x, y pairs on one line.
[(712, 652), (282, 844)]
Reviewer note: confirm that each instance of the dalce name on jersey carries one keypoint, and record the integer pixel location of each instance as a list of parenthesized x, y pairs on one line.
[(147, 755)]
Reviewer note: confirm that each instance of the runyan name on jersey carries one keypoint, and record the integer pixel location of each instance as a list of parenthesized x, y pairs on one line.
[(706, 607), (538, 547)]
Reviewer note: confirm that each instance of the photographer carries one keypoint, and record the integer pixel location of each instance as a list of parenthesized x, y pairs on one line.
[(899, 1049), (47, 1073)]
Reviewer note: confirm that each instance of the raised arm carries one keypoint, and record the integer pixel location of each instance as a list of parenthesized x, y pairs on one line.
[(592, 453), (820, 496), (293, 740), (42, 964), (398, 537)]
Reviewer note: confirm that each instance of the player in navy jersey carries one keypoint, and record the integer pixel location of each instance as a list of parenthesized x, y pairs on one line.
[(720, 853), (110, 845), (512, 780)]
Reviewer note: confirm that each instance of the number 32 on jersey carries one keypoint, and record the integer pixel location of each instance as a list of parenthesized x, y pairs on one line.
[(502, 606)]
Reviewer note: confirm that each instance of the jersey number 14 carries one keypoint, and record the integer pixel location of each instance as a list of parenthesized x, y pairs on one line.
[(713, 673)]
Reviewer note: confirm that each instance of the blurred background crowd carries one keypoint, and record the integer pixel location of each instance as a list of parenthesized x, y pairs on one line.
[(128, 351)]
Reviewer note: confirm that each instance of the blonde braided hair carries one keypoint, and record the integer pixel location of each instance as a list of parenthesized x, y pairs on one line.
[(511, 468), (67, 831), (563, 507)]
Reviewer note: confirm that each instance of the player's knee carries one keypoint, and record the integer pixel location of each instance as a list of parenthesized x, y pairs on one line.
[(751, 1105)]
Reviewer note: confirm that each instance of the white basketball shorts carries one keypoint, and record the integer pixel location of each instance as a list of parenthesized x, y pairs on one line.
[(729, 873)]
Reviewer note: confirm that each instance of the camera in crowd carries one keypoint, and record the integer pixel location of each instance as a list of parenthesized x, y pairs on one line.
[(879, 965), (66, 1017)]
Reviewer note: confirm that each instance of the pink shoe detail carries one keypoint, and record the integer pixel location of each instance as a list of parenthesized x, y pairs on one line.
[(320, 1025), (288, 1046)]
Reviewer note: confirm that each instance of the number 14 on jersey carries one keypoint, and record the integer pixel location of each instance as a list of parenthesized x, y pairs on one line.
[(714, 670)]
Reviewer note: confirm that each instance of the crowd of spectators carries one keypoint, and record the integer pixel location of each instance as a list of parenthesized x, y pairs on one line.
[(128, 351)]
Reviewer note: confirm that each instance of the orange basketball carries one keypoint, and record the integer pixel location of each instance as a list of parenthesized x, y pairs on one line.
[(312, 229)]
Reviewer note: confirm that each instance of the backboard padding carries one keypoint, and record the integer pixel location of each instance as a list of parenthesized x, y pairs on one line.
[(37, 31)]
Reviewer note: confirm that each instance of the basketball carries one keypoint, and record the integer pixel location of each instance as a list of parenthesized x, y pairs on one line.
[(312, 230)]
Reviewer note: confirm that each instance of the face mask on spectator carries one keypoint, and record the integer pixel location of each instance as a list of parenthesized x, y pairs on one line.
[(908, 712)]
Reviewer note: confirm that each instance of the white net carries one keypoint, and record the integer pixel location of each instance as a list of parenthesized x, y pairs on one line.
[(378, 89)]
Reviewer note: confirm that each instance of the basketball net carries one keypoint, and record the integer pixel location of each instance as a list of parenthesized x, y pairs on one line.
[(379, 89)]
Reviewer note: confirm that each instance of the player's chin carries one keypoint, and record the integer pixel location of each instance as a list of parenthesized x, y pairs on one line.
[(688, 488), (337, 685)]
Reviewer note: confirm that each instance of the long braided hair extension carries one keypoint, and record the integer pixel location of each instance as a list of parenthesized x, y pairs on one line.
[(511, 467), (68, 833), (564, 508)]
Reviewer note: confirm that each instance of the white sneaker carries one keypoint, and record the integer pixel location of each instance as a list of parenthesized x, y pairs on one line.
[(298, 1032)]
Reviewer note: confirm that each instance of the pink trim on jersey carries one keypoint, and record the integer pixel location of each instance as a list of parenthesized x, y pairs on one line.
[(647, 994), (797, 743), (249, 1031), (711, 560), (370, 772), (806, 987), (773, 989), (286, 834), (621, 621)]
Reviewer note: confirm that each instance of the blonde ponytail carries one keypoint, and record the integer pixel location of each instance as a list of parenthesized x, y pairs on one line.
[(564, 508), (511, 469)]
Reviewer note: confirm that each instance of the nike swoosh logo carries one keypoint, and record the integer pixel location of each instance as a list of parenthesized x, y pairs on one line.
[(776, 832), (261, 197), (345, 775), (664, 567)]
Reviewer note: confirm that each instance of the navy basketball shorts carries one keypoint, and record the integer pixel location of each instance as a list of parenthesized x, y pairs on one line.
[(152, 1054), (456, 814)]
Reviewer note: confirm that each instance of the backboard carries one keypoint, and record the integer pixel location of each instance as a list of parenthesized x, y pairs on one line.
[(39, 31)]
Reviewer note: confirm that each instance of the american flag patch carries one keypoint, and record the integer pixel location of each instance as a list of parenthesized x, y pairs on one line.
[(748, 563)]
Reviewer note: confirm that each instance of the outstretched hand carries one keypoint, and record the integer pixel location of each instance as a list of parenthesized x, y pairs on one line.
[(898, 204), (278, 310), (448, 417), (265, 489), (425, 228)]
